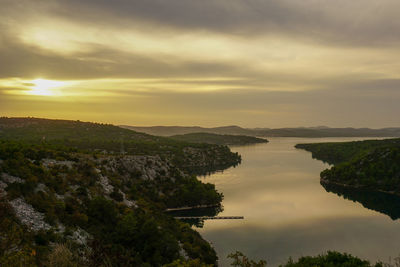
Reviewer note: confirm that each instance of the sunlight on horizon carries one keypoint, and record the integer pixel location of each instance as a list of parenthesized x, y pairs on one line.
[(42, 87)]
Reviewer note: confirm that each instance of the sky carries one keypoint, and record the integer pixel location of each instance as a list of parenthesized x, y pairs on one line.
[(252, 63)]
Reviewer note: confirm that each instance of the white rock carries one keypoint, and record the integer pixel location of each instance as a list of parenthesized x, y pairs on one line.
[(127, 202), (28, 215), (40, 187), (11, 179), (52, 162), (59, 197), (106, 185), (80, 236)]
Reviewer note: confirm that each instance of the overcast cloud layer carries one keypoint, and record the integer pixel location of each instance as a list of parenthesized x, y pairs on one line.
[(255, 63)]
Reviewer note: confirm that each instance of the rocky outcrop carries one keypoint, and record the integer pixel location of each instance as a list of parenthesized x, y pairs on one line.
[(28, 215), (103, 181), (80, 236), (52, 162), (200, 161), (9, 179), (143, 167)]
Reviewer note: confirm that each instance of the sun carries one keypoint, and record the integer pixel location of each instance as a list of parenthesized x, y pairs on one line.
[(44, 87)]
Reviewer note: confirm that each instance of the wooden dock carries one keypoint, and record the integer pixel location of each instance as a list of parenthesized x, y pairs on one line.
[(192, 207), (211, 218)]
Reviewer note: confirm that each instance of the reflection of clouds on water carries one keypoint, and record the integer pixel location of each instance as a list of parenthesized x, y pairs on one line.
[(360, 236), (288, 213)]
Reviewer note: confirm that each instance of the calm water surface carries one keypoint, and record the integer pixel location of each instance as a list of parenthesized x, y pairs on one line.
[(288, 213)]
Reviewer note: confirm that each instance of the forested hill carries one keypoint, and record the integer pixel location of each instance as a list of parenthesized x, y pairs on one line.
[(111, 139), (36, 129), (219, 139), (338, 152), (83, 194), (373, 164)]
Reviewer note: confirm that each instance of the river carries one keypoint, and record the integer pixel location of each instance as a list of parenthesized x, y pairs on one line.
[(287, 213)]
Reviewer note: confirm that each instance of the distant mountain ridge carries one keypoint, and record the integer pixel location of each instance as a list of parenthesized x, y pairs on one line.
[(319, 131), (219, 139), (179, 130)]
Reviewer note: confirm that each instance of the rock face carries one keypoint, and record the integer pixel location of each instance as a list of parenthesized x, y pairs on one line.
[(103, 180), (105, 170), (138, 167), (80, 236), (28, 215), (11, 179), (143, 167), (129, 166), (200, 161), (52, 162)]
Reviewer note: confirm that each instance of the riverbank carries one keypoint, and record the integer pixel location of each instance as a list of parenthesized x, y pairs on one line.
[(358, 187), (289, 214)]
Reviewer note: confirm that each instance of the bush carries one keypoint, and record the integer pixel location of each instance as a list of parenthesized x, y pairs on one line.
[(331, 259), (116, 195), (61, 256)]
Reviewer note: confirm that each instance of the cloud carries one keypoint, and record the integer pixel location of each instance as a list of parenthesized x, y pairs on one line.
[(344, 23), (19, 60), (91, 39), (254, 62)]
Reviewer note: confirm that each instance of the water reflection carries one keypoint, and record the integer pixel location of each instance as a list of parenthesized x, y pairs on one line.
[(388, 204), (288, 213)]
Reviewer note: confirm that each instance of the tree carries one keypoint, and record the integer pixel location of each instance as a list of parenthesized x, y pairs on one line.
[(240, 260)]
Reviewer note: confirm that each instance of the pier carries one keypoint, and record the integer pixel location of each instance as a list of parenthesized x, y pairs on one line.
[(211, 218), (192, 207)]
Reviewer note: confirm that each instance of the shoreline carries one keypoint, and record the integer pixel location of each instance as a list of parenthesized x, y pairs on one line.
[(360, 187)]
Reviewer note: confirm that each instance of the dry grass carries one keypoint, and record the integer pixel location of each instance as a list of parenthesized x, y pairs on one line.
[(61, 256)]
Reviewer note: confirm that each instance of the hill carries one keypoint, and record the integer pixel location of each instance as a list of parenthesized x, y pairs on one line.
[(339, 152), (94, 195), (110, 139), (372, 164), (180, 130), (320, 131), (219, 139)]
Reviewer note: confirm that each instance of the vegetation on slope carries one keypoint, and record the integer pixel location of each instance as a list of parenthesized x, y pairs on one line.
[(379, 169), (373, 164), (330, 259), (219, 139), (94, 137), (70, 196), (108, 207), (338, 152), (96, 194)]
